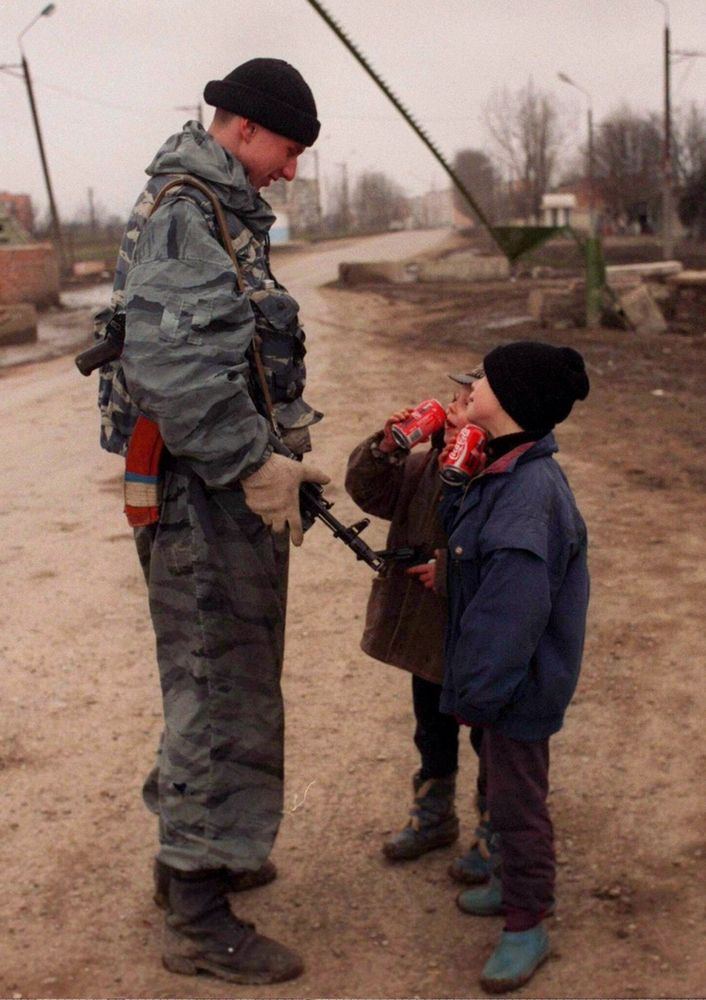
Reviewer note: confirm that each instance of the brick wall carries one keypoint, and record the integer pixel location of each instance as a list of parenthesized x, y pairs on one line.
[(29, 273)]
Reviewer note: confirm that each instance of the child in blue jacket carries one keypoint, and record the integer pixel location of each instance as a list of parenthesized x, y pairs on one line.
[(518, 595)]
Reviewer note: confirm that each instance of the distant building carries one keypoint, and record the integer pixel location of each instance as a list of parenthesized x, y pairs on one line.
[(19, 206), (558, 209), (433, 210), (11, 232), (299, 201)]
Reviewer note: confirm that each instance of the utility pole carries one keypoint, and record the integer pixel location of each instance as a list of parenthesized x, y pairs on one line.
[(317, 181), (55, 224), (345, 211), (667, 192), (91, 213), (24, 67)]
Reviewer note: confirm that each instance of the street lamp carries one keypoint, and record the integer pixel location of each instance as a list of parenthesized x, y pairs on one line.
[(594, 258), (667, 209), (24, 66), (565, 78)]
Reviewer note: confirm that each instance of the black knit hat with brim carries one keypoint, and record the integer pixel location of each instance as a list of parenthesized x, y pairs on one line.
[(536, 384), (271, 93)]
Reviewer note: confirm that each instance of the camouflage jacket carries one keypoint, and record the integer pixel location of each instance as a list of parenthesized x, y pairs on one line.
[(186, 363)]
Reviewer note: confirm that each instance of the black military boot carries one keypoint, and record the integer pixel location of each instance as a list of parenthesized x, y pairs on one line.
[(235, 881), (202, 935), (433, 821)]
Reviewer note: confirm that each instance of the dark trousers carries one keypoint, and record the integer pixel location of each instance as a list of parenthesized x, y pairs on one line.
[(518, 783), (436, 736)]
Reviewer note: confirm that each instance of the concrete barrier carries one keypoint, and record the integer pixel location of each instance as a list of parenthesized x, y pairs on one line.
[(464, 267), (651, 269), (18, 324), (373, 272), (455, 267)]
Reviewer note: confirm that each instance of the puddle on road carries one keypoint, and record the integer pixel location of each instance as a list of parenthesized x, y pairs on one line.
[(507, 321)]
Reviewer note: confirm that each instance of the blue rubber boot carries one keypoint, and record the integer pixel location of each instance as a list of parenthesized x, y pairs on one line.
[(482, 858), (515, 960), (485, 901)]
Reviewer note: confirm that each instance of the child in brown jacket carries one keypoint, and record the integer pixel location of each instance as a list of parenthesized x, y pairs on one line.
[(405, 623)]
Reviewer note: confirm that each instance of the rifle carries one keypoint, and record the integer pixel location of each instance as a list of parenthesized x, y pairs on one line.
[(314, 505), (108, 348)]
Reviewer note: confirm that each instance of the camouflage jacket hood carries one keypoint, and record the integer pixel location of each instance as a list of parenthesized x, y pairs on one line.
[(195, 151)]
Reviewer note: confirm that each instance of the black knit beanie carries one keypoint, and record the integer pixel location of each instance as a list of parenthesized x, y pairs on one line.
[(536, 384), (271, 93)]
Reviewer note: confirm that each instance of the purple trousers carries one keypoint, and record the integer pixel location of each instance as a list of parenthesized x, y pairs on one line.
[(518, 782)]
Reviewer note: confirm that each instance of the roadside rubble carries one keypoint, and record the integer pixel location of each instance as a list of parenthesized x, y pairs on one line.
[(645, 298), (465, 265)]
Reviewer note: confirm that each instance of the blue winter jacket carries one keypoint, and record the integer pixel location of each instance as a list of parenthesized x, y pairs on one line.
[(518, 594)]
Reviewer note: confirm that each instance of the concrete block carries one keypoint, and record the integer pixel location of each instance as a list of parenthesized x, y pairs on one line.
[(464, 267), (18, 324), (560, 304), (651, 269), (688, 279), (373, 272), (642, 311)]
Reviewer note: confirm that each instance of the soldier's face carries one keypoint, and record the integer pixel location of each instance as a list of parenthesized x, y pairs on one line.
[(267, 156)]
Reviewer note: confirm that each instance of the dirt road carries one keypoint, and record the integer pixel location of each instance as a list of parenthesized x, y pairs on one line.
[(81, 711)]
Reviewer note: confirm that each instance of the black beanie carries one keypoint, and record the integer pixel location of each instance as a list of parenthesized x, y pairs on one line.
[(536, 384), (271, 93)]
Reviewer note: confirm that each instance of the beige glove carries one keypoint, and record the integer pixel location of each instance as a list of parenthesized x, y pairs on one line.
[(273, 493)]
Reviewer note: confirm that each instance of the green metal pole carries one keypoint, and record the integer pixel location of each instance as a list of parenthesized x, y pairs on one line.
[(595, 280)]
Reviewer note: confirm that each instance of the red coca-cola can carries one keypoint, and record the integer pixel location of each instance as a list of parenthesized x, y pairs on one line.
[(467, 457), (424, 419)]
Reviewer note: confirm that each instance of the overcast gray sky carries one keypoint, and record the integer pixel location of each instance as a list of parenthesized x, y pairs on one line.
[(109, 74)]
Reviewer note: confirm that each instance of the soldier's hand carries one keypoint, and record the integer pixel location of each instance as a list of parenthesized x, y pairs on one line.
[(273, 493)]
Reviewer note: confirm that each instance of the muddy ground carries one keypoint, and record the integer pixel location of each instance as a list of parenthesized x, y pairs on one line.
[(81, 711)]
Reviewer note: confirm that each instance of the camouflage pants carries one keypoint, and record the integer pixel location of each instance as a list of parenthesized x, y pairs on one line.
[(217, 581)]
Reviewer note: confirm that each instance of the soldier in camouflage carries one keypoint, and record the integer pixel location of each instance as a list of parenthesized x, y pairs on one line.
[(216, 563)]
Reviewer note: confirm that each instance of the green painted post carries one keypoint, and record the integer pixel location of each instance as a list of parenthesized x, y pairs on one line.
[(595, 280)]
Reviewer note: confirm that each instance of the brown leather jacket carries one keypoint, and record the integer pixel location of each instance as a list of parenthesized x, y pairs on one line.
[(405, 622)]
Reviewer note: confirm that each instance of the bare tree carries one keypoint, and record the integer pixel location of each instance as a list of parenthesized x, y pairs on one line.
[(628, 165), (689, 142), (692, 205), (477, 172), (378, 201), (526, 131)]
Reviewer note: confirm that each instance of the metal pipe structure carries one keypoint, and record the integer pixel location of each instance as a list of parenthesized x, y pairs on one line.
[(411, 121)]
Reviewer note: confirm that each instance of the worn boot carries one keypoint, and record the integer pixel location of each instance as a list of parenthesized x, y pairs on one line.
[(235, 881), (482, 858), (433, 821), (485, 901), (515, 960), (202, 935)]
